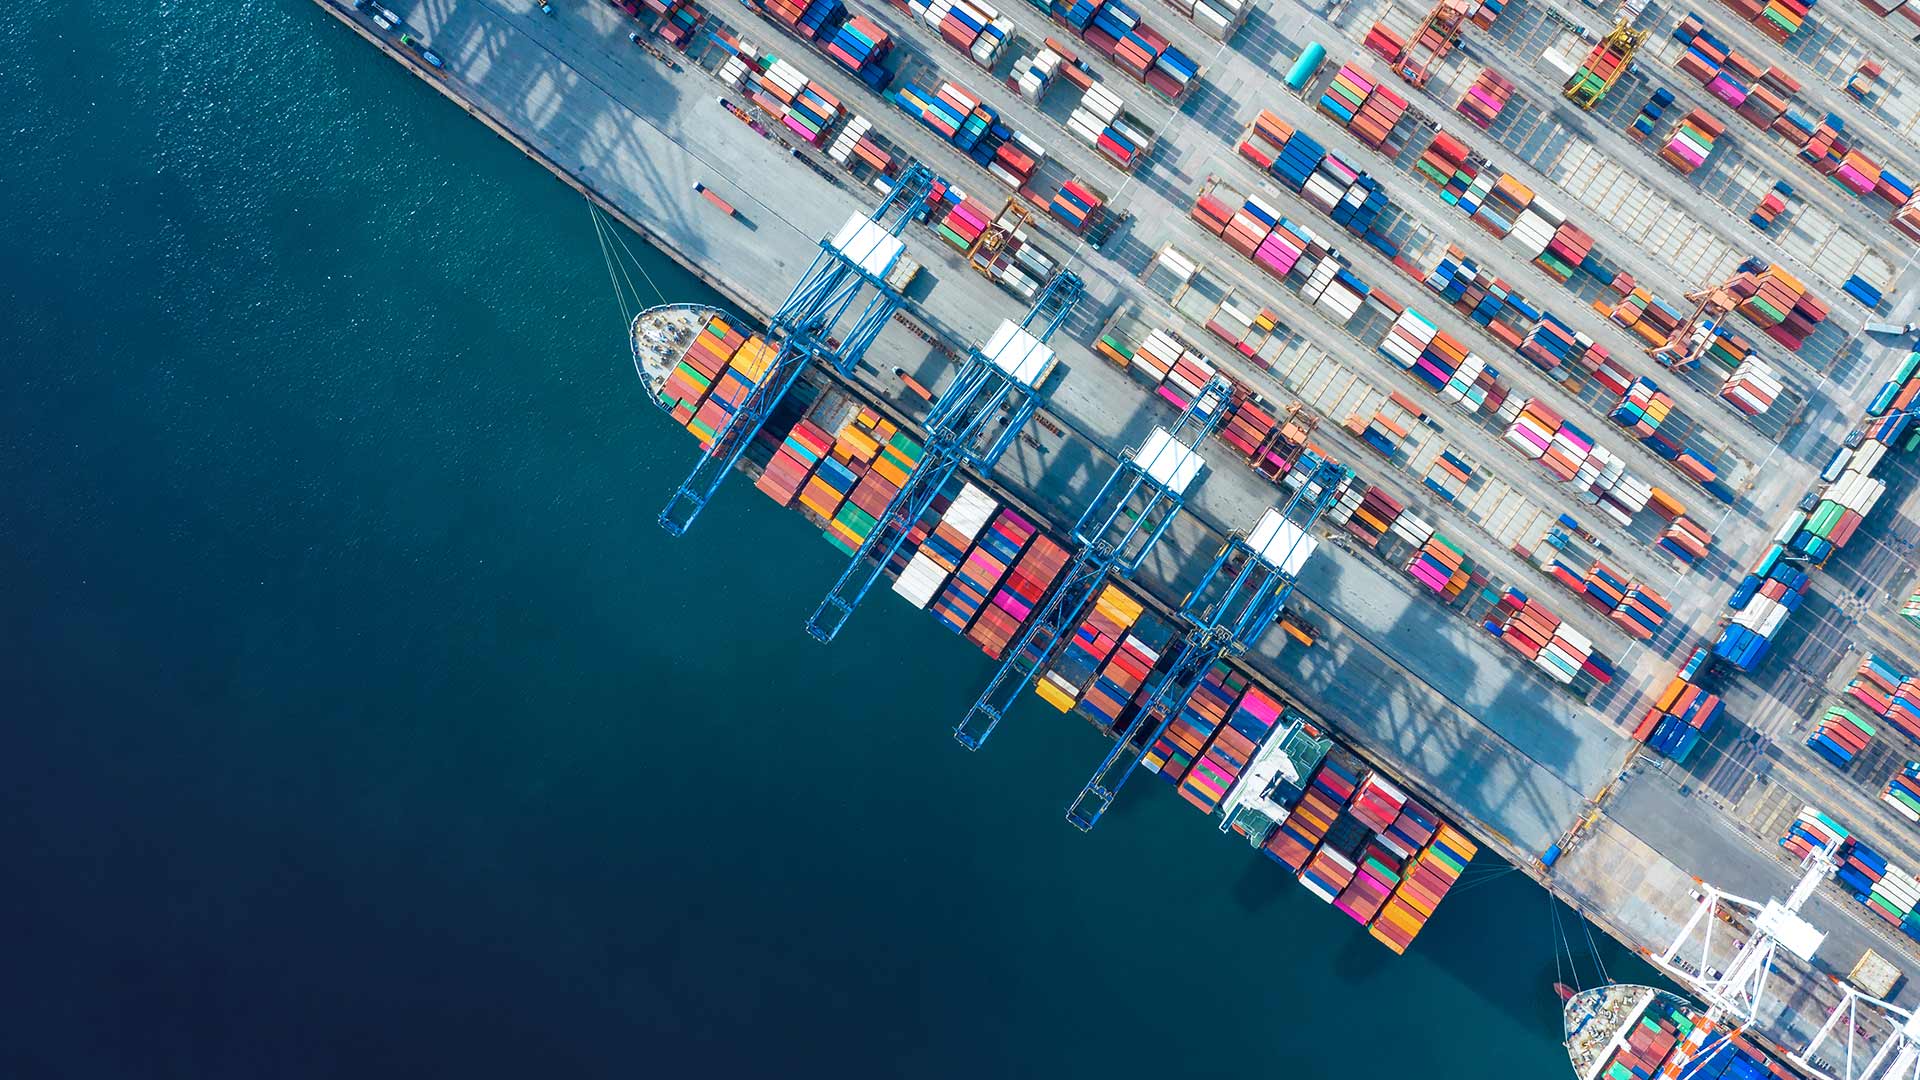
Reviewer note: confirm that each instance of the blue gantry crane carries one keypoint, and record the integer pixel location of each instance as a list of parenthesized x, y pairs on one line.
[(862, 254), (1237, 599), (1126, 518), (1005, 373)]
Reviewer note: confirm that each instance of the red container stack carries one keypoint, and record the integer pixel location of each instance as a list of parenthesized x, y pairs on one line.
[(793, 464), (1020, 593), (1484, 100)]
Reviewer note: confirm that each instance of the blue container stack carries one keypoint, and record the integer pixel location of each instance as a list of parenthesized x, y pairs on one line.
[(1858, 288), (1297, 160), (1361, 205), (821, 19), (1649, 118), (1074, 13)]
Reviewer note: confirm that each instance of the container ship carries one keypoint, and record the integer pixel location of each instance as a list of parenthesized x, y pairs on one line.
[(661, 338), (1237, 751), (1629, 1032)]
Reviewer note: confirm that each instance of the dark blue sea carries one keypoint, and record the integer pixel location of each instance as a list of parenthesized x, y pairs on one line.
[(359, 721)]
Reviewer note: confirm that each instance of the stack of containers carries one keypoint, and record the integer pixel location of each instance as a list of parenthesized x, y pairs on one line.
[(1813, 831), (1296, 839), (1873, 684), (1375, 876), (1781, 304), (1020, 593), (1684, 540), (1443, 157), (1753, 387), (1410, 830), (1907, 218), (687, 384), (731, 389), (1377, 117), (1033, 75), (1840, 736), (1485, 98), (1692, 141), (993, 554), (802, 17), (1910, 609), (1564, 253), (881, 467), (1093, 641), (1642, 408), (1860, 870), (941, 553), (861, 47), (1076, 205), (1678, 718), (1232, 747), (1328, 873), (1862, 291), (1377, 802), (964, 222), (1650, 114), (1552, 345), (1503, 204), (1264, 138), (1771, 207), (1188, 375), (1533, 430), (1213, 214), (1177, 748), (1116, 29), (1283, 248), (1903, 792), (1408, 338), (832, 481), (793, 463), (1346, 93), (1334, 288), (1374, 515), (1441, 565), (856, 140), (1641, 612), (1894, 895), (1099, 122), (1422, 887), (1297, 160), (976, 29), (1117, 687), (1218, 19)]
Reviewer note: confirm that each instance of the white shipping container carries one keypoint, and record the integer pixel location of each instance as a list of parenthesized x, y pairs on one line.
[(921, 580), (969, 511)]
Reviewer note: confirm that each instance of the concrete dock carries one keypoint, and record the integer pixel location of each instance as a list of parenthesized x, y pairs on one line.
[(1425, 692)]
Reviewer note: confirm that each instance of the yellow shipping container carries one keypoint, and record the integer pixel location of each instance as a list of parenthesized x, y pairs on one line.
[(1053, 695)]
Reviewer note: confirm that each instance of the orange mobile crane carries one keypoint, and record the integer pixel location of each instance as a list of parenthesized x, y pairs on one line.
[(1692, 337), (1431, 41)]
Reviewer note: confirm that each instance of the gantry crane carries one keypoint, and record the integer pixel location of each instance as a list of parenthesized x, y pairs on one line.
[(1126, 518), (1237, 599), (964, 429), (1691, 339), (1430, 42), (1291, 432), (1608, 61), (1896, 1056), (859, 256), (994, 238)]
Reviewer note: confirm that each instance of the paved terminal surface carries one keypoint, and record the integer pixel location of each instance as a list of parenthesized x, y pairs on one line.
[(1420, 688)]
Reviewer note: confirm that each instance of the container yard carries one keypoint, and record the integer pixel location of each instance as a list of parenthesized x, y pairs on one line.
[(1471, 431)]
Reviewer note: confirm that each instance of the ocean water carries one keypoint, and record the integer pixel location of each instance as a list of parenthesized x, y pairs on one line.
[(360, 720)]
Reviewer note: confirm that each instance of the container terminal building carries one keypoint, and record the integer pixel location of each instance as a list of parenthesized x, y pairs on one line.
[(1410, 431)]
